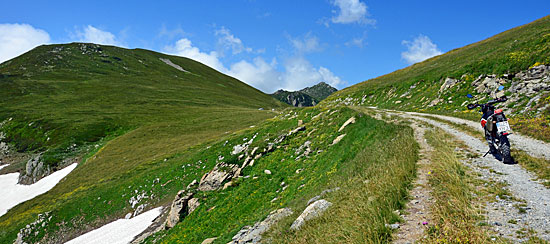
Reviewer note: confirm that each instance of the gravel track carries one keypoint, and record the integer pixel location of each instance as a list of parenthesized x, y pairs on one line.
[(520, 183), (533, 147)]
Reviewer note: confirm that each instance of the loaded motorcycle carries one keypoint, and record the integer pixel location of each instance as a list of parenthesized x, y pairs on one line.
[(496, 129)]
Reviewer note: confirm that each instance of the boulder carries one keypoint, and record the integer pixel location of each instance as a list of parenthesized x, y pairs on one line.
[(34, 171), (312, 211), (338, 139), (192, 184), (301, 128), (435, 102), (214, 179), (323, 193), (179, 208), (253, 234), (193, 204), (349, 121), (209, 240)]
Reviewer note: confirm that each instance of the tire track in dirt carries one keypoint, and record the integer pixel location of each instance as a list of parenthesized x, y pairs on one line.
[(412, 230)]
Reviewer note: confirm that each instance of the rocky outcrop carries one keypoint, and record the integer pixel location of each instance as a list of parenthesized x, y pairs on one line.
[(488, 84), (34, 171), (29, 230), (319, 91), (179, 208), (448, 83), (214, 179), (253, 234), (312, 211), (295, 98)]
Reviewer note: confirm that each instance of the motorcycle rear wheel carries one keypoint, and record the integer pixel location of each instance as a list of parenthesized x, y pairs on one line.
[(505, 151)]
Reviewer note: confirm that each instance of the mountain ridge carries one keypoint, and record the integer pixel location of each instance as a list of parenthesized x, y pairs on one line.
[(306, 97)]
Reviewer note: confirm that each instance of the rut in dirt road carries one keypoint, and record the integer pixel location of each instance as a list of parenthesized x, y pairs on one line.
[(412, 230), (521, 184)]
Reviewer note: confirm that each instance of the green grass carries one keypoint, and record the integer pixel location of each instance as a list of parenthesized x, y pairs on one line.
[(539, 166), (456, 207), (373, 185), (251, 199)]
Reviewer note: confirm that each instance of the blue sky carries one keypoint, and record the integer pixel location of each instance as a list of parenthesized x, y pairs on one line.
[(271, 44)]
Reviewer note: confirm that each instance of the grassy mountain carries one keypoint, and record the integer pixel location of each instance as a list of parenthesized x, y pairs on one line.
[(440, 84), (127, 108), (62, 95), (309, 96)]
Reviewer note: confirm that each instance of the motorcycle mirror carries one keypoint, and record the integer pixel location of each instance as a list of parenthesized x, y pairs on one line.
[(471, 106), (500, 88), (469, 96)]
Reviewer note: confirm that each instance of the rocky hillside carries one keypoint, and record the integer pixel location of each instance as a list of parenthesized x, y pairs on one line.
[(319, 91), (295, 98), (518, 60), (307, 97)]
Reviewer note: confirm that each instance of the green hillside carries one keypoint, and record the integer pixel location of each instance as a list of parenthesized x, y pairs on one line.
[(127, 108), (512, 51), (421, 86), (60, 95)]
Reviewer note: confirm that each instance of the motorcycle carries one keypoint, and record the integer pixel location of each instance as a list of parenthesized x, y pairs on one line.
[(497, 129)]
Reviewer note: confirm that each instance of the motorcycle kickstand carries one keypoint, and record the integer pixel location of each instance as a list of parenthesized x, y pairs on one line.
[(487, 153)]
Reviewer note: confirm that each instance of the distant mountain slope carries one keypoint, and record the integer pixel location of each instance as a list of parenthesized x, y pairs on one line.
[(319, 91), (307, 97), (295, 98)]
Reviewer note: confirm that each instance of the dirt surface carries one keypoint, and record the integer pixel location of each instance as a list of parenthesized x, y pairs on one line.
[(503, 214), (412, 230)]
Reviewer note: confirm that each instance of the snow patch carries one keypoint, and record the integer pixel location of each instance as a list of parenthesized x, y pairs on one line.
[(168, 62), (3, 166), (121, 231), (13, 193)]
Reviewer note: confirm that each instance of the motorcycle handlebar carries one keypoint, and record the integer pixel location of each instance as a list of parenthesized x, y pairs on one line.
[(498, 100)]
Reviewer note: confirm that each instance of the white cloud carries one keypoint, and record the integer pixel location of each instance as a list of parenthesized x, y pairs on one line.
[(309, 43), (97, 36), (16, 39), (351, 11), (300, 73), (259, 74), (420, 49), (296, 73), (228, 40), (185, 48), (358, 42)]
